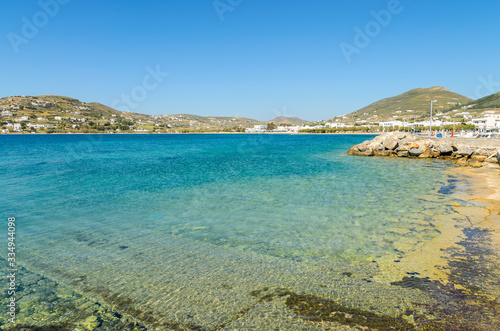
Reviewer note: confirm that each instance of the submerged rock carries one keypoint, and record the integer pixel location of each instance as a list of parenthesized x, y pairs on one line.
[(90, 323)]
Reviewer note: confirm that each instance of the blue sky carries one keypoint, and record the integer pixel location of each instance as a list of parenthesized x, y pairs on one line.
[(249, 58)]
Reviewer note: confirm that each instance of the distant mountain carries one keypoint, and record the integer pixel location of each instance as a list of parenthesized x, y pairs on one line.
[(408, 106), (490, 101), (288, 120)]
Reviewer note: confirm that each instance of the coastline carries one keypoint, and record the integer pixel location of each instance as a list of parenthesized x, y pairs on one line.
[(201, 133), (477, 207), (459, 267), (484, 192)]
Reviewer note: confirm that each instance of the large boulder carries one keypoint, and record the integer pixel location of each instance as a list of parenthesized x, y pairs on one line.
[(445, 149), (405, 142), (382, 152), (427, 153), (362, 147), (403, 153), (464, 151), (390, 143), (484, 152), (415, 152), (498, 156), (368, 152)]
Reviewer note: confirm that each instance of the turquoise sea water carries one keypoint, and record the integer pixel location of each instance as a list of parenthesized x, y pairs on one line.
[(184, 231)]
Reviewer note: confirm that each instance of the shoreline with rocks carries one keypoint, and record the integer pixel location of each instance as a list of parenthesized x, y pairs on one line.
[(475, 152), (463, 258)]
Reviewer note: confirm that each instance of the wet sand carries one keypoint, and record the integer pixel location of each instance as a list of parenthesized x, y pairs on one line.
[(485, 193)]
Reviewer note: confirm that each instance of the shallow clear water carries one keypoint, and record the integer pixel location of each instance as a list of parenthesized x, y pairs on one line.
[(183, 228)]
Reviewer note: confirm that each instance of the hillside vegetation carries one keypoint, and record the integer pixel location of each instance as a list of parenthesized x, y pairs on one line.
[(490, 101), (408, 106), (59, 114)]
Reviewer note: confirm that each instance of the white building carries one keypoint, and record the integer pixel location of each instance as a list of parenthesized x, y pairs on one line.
[(335, 125), (35, 126), (391, 123), (488, 122), (17, 127), (22, 118), (427, 123), (257, 128)]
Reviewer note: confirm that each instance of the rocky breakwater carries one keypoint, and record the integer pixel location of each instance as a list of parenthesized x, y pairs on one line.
[(465, 151)]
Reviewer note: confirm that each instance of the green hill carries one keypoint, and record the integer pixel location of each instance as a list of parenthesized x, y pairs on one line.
[(490, 101), (409, 105), (185, 122), (54, 113)]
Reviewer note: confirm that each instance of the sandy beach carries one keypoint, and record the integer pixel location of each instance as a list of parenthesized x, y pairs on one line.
[(484, 192)]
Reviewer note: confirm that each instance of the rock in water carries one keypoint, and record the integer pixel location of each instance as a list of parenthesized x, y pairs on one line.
[(403, 154), (427, 153), (390, 143), (415, 152), (445, 149), (464, 151)]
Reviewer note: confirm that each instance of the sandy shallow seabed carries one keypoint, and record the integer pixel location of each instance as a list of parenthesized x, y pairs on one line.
[(454, 278), (431, 258), (485, 192)]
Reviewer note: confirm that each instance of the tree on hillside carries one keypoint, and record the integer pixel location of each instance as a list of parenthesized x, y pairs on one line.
[(271, 126)]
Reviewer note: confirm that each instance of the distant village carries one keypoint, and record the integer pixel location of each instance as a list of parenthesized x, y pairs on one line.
[(63, 116), (488, 122)]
